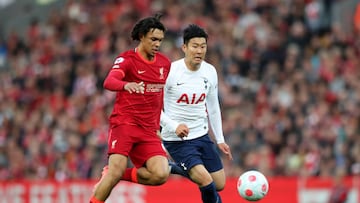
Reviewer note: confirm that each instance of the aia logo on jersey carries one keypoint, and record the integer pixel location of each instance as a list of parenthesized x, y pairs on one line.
[(193, 99)]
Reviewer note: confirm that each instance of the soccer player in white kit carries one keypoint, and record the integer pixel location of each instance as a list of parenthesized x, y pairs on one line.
[(190, 104)]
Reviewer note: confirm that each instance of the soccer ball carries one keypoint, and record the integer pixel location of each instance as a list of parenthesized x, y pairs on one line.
[(252, 185)]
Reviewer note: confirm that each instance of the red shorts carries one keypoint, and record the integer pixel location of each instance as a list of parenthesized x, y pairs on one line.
[(134, 142)]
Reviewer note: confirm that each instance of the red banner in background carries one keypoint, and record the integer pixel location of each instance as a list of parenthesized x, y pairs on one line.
[(182, 190), (176, 190)]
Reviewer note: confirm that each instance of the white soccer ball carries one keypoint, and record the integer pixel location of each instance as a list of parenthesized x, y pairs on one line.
[(252, 185)]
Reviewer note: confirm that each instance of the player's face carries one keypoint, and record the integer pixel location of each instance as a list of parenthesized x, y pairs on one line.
[(195, 52), (150, 43)]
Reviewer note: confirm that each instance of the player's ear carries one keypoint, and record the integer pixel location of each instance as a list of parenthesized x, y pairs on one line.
[(184, 47), (141, 37)]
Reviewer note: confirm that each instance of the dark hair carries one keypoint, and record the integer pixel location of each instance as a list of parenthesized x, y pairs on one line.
[(145, 25), (193, 31)]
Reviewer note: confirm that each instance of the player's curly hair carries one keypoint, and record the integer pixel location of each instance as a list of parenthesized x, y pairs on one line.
[(193, 31), (145, 25)]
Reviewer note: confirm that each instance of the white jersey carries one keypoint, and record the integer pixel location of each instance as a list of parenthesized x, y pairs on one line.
[(191, 98)]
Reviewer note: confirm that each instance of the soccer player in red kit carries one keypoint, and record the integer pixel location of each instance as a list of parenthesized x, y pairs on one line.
[(138, 77)]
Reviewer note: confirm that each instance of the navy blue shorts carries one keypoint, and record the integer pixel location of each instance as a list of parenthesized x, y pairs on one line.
[(189, 153)]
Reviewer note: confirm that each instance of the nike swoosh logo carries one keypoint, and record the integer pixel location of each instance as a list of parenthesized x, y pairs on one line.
[(141, 71), (179, 83)]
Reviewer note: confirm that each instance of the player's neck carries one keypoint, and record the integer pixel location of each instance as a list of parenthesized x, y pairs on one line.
[(192, 67), (143, 54)]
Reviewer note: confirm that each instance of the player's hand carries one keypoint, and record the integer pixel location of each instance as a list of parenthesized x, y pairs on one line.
[(133, 87), (225, 149), (182, 131)]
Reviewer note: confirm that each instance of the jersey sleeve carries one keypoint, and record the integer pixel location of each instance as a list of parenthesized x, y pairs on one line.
[(114, 79), (213, 109), (167, 122)]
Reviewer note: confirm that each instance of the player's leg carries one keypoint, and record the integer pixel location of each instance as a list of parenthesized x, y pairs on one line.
[(189, 155), (155, 172), (213, 164), (203, 179), (118, 150), (219, 179), (116, 167), (150, 159), (176, 169)]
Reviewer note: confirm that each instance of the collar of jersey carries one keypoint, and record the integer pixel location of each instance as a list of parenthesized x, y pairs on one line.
[(143, 59)]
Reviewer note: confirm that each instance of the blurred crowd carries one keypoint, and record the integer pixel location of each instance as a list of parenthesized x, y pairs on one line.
[(289, 82)]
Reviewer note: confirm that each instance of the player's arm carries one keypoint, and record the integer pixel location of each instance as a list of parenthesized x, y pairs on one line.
[(214, 113), (114, 81), (167, 122), (180, 129)]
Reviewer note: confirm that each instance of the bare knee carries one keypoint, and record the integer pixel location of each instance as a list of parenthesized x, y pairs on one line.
[(220, 186), (159, 177), (117, 165), (157, 171), (115, 175), (219, 179)]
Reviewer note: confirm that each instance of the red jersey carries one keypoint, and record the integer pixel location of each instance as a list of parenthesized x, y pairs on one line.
[(140, 109)]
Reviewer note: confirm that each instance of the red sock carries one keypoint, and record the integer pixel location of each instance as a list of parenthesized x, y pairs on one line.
[(134, 175), (130, 175), (94, 200)]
